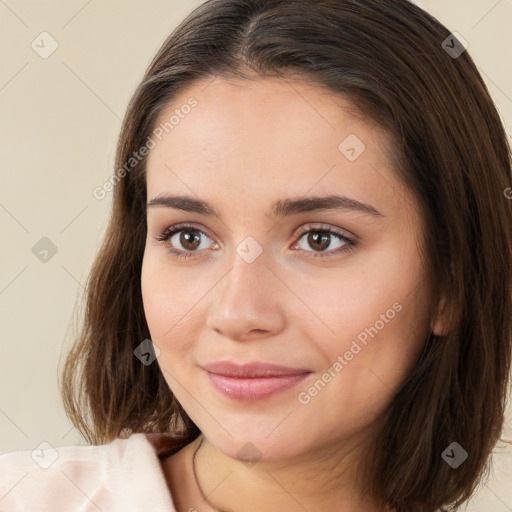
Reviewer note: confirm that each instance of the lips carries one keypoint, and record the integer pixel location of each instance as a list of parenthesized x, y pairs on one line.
[(251, 370), (252, 381)]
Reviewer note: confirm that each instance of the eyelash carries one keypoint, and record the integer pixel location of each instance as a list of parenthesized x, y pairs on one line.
[(350, 242)]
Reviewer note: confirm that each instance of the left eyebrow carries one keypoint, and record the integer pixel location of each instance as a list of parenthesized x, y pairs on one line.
[(280, 208)]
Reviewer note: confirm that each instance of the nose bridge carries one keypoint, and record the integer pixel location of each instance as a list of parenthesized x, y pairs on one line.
[(245, 285), (246, 299)]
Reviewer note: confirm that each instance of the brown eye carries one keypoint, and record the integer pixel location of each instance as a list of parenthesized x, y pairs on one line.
[(190, 239), (320, 239), (183, 241)]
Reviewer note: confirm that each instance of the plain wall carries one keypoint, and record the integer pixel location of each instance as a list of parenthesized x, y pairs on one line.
[(59, 123)]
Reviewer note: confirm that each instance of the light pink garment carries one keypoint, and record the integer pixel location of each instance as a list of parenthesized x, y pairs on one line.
[(125, 475)]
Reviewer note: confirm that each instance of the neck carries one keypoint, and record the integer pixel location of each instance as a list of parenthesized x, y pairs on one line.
[(326, 479)]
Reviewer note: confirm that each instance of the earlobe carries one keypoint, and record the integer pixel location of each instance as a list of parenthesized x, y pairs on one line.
[(439, 324)]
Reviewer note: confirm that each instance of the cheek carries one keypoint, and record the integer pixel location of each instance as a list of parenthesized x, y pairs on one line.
[(157, 292), (378, 318), (367, 364), (165, 311), (172, 303)]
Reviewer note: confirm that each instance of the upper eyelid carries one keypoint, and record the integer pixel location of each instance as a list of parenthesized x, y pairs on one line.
[(184, 226), (324, 227)]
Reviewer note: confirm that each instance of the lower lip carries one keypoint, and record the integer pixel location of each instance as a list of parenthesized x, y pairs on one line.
[(250, 390)]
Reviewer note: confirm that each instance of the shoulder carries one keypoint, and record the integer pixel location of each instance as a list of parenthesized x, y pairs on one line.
[(125, 474)]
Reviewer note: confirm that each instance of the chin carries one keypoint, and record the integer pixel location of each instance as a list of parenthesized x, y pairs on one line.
[(252, 443)]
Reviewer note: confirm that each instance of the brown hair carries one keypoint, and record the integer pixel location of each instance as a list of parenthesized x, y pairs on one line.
[(452, 153)]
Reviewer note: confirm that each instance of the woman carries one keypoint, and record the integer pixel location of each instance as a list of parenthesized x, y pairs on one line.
[(303, 299)]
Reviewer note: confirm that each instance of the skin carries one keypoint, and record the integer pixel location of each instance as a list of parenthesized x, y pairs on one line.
[(245, 145)]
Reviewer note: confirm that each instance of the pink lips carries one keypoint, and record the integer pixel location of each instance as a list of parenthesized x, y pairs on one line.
[(252, 381)]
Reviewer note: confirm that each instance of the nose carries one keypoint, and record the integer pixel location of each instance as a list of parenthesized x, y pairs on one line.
[(248, 302)]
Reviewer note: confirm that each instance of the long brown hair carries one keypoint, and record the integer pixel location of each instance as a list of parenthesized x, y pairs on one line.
[(391, 60)]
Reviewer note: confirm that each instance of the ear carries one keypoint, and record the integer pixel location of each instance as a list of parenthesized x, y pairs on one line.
[(439, 324)]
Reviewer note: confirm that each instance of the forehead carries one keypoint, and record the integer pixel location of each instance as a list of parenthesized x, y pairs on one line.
[(268, 111), (268, 137)]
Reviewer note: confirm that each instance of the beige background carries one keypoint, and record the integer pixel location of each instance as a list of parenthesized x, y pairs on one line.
[(59, 122)]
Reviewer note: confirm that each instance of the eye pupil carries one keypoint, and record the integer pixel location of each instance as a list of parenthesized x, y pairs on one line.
[(190, 239), (315, 237)]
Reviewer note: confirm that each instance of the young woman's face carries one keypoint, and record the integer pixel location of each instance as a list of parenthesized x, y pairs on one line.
[(272, 278)]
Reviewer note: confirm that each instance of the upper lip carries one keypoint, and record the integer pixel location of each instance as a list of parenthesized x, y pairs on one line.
[(251, 370)]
